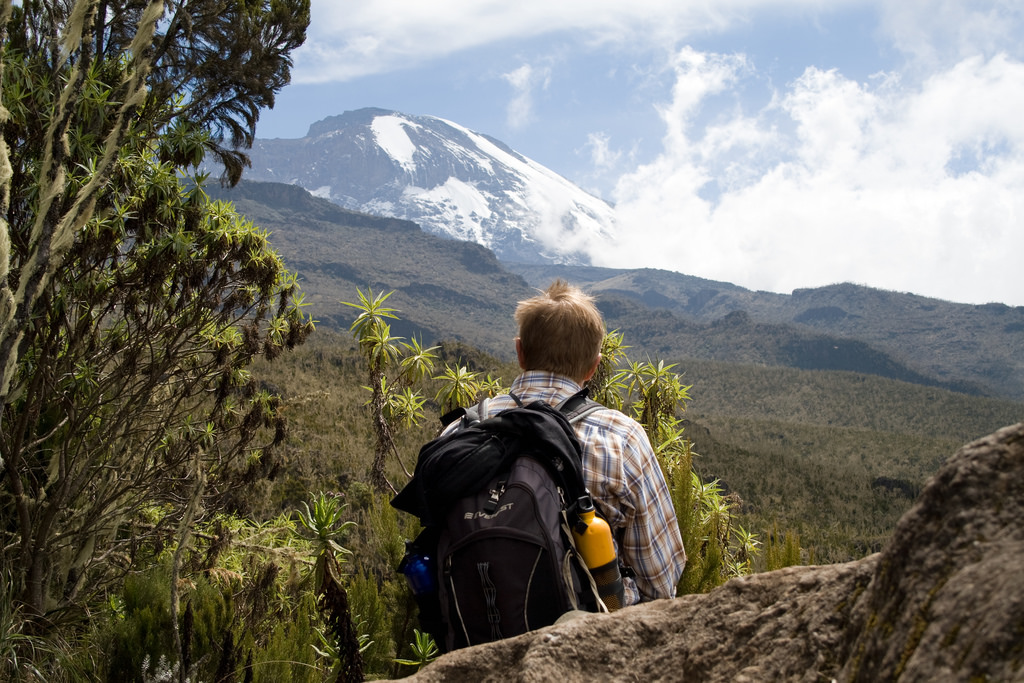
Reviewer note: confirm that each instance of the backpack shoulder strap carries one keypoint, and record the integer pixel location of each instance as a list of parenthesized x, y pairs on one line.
[(476, 413), (468, 416), (579, 405)]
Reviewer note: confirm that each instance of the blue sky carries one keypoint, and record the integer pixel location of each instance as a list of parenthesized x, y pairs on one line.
[(775, 145)]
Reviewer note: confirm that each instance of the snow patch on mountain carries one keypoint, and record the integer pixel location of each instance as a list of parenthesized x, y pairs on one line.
[(390, 135), (458, 205), (569, 218)]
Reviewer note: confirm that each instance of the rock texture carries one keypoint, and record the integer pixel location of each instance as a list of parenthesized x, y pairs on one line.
[(944, 601), (947, 599)]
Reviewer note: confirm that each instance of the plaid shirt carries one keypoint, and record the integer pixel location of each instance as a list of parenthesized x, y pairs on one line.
[(625, 480)]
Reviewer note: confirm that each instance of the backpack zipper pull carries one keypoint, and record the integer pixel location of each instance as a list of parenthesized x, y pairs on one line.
[(491, 506)]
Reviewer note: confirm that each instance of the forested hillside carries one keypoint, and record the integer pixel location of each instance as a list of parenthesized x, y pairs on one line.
[(444, 288), (836, 456)]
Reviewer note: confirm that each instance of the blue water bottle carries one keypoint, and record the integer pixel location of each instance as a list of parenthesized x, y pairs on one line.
[(419, 570)]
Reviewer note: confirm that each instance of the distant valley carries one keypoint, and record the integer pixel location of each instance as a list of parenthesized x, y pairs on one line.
[(972, 349), (813, 427)]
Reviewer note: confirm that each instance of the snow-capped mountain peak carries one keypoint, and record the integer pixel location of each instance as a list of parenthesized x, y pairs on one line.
[(449, 179)]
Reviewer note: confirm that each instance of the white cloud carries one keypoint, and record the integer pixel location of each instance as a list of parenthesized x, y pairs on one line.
[(602, 156), (911, 188), (938, 33), (524, 81), (362, 37), (605, 161)]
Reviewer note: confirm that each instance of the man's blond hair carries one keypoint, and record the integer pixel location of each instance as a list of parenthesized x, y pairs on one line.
[(560, 331)]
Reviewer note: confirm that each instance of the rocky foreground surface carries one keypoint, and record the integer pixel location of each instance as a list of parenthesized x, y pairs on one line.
[(944, 601)]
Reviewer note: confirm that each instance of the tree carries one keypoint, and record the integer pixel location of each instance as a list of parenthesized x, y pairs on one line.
[(221, 60), (131, 305), (656, 396), (78, 77), (341, 643), (606, 386), (380, 350), (459, 387), (392, 401)]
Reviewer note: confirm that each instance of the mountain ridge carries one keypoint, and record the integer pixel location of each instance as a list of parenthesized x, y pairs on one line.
[(964, 346), (456, 290)]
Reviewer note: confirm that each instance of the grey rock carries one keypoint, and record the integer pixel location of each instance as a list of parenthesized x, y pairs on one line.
[(947, 599), (943, 601)]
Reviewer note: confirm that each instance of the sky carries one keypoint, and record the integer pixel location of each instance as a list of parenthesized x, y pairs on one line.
[(773, 144)]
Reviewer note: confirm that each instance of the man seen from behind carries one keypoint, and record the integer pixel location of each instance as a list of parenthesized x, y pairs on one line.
[(559, 349)]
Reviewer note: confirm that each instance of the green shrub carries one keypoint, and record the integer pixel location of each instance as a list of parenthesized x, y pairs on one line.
[(284, 653), (140, 629)]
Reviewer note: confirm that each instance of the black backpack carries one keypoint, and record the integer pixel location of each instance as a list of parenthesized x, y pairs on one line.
[(496, 498)]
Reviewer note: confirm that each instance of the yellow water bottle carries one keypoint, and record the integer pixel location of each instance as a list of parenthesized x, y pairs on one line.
[(594, 542)]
